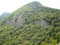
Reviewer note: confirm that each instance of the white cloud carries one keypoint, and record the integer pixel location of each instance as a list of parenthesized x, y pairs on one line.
[(12, 5)]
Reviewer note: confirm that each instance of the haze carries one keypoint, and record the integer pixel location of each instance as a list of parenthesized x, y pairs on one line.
[(12, 5)]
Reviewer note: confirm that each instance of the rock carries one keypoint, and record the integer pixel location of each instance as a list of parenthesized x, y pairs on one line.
[(41, 23)]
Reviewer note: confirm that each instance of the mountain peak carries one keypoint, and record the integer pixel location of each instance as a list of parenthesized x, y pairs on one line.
[(35, 4)]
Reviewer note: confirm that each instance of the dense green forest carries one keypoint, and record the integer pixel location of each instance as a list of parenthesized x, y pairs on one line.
[(39, 25)]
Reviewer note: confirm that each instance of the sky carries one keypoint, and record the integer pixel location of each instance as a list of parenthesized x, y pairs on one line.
[(12, 5)]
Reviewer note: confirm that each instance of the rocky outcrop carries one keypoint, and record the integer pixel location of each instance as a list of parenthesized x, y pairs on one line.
[(17, 20), (41, 23)]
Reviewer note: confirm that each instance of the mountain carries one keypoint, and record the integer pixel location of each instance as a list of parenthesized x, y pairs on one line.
[(33, 8), (32, 24), (4, 15)]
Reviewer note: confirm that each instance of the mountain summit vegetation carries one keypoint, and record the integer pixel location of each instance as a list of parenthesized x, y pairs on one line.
[(32, 24)]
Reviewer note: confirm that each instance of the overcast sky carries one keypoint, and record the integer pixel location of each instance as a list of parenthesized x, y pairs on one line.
[(12, 5)]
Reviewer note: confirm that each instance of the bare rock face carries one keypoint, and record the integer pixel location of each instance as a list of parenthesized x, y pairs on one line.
[(20, 20), (41, 23), (17, 20)]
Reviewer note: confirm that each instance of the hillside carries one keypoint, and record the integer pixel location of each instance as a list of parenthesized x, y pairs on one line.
[(32, 24)]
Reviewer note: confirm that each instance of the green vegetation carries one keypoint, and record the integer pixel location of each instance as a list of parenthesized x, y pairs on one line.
[(30, 33)]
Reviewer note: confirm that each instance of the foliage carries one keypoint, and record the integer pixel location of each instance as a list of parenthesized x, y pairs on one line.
[(30, 33)]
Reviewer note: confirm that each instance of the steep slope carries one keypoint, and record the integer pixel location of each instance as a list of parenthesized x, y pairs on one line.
[(32, 24)]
